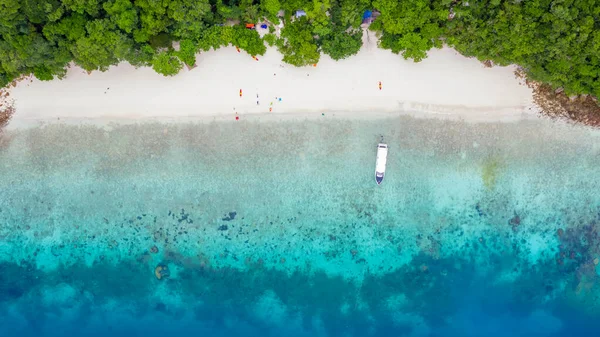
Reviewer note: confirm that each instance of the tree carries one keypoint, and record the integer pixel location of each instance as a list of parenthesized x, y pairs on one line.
[(340, 44), (249, 40), (214, 37), (90, 7), (297, 44), (351, 12), (166, 63), (153, 19), (410, 27), (228, 12), (37, 11), (187, 52), (250, 11), (271, 8), (11, 18), (270, 39), (102, 47), (188, 16), (554, 41), (123, 14), (343, 39)]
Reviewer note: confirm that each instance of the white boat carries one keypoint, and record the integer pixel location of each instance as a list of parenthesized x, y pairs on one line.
[(382, 151)]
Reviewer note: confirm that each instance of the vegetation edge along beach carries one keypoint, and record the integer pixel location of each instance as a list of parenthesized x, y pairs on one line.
[(556, 43)]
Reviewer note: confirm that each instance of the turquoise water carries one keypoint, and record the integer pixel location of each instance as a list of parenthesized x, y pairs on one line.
[(277, 228)]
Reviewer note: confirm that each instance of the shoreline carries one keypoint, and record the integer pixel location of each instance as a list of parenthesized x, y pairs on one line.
[(497, 116), (445, 85)]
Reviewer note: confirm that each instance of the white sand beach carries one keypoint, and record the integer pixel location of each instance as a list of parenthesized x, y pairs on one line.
[(446, 84)]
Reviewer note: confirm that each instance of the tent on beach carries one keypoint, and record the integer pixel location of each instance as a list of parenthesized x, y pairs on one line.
[(369, 16)]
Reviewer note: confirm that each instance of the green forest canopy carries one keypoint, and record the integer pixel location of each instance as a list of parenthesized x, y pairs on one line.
[(555, 41)]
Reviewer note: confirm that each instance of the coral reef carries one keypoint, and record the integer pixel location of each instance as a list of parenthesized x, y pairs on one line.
[(161, 272)]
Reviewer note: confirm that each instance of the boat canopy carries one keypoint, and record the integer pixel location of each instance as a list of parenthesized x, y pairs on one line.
[(382, 150)]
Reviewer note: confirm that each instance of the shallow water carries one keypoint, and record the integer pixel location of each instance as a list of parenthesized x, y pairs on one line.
[(277, 229)]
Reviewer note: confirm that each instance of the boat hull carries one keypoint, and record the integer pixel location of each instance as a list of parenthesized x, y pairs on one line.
[(380, 163)]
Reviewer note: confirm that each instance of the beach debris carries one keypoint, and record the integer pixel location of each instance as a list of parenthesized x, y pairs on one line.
[(161, 271), (238, 49), (270, 109), (237, 118)]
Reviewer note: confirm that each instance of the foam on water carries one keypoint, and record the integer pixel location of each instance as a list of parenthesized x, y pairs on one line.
[(277, 228)]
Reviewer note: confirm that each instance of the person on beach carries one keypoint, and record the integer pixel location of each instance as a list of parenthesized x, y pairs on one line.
[(240, 92), (379, 85)]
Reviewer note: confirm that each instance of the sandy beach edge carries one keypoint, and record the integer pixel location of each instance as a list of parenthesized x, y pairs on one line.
[(227, 84)]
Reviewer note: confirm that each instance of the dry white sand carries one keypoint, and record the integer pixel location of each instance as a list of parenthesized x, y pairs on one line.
[(445, 84)]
